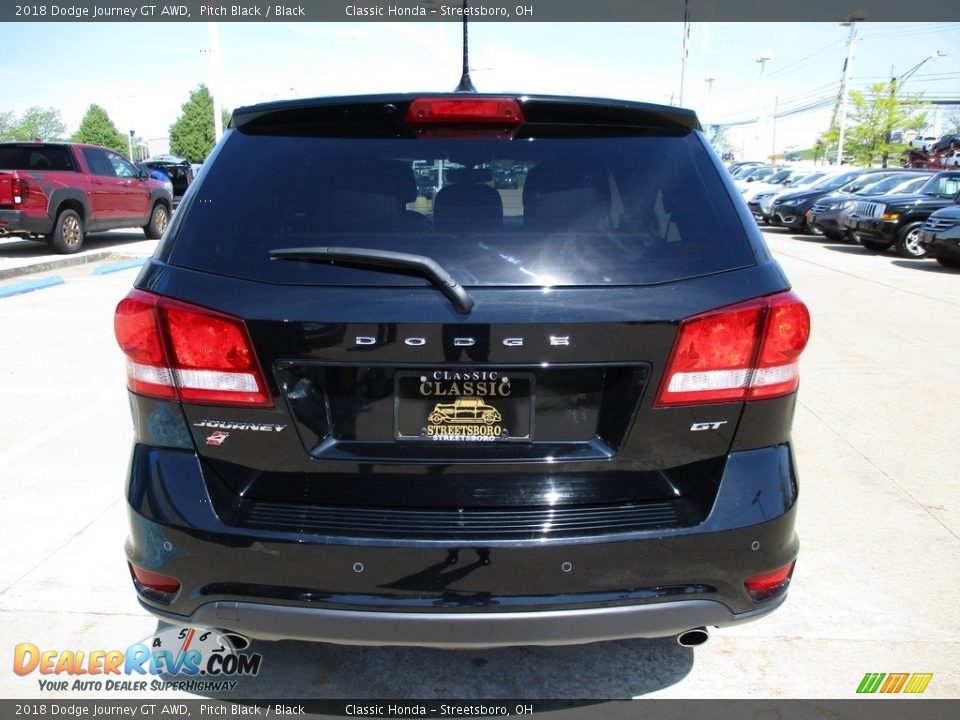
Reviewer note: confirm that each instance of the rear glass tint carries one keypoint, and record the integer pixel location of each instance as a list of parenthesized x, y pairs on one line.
[(550, 212)]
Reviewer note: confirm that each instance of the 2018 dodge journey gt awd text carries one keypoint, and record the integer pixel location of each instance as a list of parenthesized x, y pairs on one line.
[(556, 413)]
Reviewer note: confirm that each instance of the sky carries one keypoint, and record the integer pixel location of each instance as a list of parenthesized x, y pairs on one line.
[(142, 73)]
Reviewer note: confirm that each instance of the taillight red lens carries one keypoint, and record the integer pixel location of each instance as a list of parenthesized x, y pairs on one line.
[(177, 350), (502, 111), (135, 326), (765, 585), (19, 190), (748, 350), (155, 581), (785, 336)]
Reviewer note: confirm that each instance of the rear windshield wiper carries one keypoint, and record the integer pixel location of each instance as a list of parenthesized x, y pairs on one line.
[(388, 261)]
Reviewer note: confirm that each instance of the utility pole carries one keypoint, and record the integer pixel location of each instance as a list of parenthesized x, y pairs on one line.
[(214, 37), (847, 71), (686, 50)]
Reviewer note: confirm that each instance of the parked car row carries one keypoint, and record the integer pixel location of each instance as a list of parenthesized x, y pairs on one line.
[(914, 211)]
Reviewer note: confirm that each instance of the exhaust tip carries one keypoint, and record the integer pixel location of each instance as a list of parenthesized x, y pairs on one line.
[(237, 641), (693, 638)]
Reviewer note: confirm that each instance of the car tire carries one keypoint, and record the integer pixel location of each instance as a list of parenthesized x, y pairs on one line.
[(949, 262), (908, 242), (874, 245), (159, 217), (67, 235), (813, 229)]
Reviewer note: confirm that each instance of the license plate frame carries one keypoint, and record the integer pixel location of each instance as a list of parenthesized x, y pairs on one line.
[(464, 406)]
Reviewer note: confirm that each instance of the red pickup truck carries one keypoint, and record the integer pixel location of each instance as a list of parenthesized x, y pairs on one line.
[(57, 192)]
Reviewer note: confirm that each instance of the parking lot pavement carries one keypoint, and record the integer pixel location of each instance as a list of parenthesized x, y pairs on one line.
[(20, 259), (874, 591)]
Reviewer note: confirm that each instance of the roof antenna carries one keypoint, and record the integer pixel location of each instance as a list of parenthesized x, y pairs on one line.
[(466, 85)]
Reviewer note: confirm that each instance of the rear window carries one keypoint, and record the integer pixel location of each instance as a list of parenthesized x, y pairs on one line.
[(35, 157), (545, 212)]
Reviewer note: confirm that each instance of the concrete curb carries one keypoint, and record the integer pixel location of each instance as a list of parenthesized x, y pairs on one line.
[(47, 265)]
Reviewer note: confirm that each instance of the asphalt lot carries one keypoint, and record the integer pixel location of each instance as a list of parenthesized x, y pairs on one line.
[(875, 588)]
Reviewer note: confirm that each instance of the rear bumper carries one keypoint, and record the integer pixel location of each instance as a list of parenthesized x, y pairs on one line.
[(465, 630), (450, 592), (879, 230), (17, 222)]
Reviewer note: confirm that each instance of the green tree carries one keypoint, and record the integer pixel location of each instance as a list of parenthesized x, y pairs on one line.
[(876, 115), (37, 122), (97, 128), (953, 120), (192, 134)]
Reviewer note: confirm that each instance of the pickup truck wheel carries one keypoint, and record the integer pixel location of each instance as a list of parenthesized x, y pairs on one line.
[(158, 221), (908, 242), (67, 235), (874, 245)]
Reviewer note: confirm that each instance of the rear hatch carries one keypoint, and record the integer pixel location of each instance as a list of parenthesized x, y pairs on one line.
[(479, 357)]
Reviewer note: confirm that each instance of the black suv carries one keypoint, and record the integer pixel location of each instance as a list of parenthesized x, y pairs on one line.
[(546, 415), (897, 220)]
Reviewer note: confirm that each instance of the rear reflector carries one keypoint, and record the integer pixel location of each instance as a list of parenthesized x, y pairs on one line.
[(765, 585), (741, 352), (501, 111), (155, 581), (179, 351)]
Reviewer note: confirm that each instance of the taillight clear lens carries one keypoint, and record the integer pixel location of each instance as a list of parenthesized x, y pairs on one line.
[(766, 585), (748, 350), (178, 350)]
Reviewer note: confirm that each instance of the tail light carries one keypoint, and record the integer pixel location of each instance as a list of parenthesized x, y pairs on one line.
[(154, 581), (180, 351), (766, 585), (19, 189), (746, 351)]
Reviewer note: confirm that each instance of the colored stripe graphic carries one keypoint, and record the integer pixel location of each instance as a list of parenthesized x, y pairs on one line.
[(870, 682), (918, 682), (895, 682)]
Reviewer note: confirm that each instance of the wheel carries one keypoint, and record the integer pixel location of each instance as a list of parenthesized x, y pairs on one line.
[(158, 221), (67, 235), (814, 229), (874, 245), (908, 242), (834, 235), (949, 262), (435, 418)]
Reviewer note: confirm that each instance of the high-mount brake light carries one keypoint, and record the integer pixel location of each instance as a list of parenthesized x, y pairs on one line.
[(498, 111), (747, 351), (178, 351)]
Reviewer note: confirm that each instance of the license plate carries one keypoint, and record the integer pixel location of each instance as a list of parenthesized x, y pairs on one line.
[(463, 405)]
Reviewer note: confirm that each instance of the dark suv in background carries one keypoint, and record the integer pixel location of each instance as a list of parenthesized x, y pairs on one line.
[(897, 220), (179, 170), (550, 414)]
